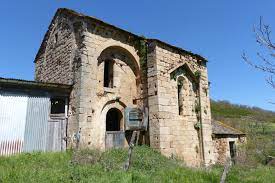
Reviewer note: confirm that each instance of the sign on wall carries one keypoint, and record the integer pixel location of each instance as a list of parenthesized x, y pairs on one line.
[(136, 119)]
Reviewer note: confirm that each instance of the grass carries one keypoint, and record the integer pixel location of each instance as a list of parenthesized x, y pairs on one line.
[(93, 166), (148, 165)]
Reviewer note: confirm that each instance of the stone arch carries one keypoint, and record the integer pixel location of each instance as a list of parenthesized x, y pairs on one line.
[(131, 61), (125, 70), (107, 107), (126, 48), (114, 120), (182, 69)]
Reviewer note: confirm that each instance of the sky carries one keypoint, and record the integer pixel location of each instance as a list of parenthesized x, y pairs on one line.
[(219, 30)]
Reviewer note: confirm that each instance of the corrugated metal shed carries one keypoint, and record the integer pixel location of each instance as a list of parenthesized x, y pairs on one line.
[(25, 123), (36, 124), (13, 111)]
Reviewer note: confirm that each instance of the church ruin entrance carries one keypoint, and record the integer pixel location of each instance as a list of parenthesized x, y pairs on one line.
[(115, 136), (113, 120)]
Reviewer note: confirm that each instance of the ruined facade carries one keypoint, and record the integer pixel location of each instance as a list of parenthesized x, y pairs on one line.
[(111, 69)]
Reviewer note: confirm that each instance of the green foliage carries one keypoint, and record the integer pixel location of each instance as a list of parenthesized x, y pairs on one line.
[(227, 110), (197, 74), (94, 166), (258, 124), (244, 174), (141, 44), (197, 125)]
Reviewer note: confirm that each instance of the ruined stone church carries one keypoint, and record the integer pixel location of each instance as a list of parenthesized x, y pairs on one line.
[(110, 69)]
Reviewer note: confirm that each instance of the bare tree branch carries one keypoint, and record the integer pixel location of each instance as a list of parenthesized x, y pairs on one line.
[(266, 62), (263, 34), (271, 81)]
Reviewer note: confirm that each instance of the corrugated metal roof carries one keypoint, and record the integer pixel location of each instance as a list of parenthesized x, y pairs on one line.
[(219, 128), (26, 84)]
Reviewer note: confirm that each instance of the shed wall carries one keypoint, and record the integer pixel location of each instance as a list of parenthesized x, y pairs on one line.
[(26, 126), (13, 111)]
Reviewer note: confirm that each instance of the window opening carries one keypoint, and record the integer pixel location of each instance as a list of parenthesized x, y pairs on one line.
[(57, 106), (108, 73)]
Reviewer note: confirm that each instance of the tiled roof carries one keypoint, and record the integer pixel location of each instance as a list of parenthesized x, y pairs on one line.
[(219, 128)]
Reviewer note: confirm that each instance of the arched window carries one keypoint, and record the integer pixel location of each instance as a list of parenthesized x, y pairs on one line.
[(109, 73), (183, 93)]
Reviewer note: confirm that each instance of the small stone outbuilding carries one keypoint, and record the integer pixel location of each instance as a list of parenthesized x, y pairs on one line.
[(226, 141)]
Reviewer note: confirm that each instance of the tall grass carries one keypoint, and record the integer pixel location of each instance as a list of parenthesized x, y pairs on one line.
[(94, 166)]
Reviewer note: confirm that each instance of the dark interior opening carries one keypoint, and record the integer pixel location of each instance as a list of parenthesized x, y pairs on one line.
[(108, 73), (180, 108), (113, 120), (232, 148), (57, 106)]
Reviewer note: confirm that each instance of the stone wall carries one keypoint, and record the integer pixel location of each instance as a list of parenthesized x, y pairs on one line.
[(170, 132), (101, 43), (222, 149), (75, 50), (55, 58)]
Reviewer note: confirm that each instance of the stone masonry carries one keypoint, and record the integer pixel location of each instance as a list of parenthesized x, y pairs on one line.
[(110, 68)]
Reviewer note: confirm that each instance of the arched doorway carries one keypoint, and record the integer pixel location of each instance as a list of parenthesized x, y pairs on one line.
[(115, 136), (113, 120)]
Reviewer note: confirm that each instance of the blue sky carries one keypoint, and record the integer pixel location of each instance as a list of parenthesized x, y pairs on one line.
[(219, 30)]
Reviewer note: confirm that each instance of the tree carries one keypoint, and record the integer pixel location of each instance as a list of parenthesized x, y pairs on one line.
[(266, 61)]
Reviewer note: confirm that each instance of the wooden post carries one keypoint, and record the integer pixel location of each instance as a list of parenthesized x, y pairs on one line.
[(226, 170), (131, 146)]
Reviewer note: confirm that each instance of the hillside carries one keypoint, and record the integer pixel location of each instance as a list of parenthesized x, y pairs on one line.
[(243, 117), (93, 166), (258, 124)]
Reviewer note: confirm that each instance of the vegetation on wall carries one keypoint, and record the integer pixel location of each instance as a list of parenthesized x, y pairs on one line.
[(142, 46), (197, 74)]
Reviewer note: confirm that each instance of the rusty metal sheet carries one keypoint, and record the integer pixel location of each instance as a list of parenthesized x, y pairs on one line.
[(13, 110)]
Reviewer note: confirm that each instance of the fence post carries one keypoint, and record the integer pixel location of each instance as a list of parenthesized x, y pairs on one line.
[(226, 170), (131, 146)]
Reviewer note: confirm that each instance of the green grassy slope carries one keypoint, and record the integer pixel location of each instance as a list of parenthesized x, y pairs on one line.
[(148, 165), (243, 117), (258, 124), (93, 166)]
